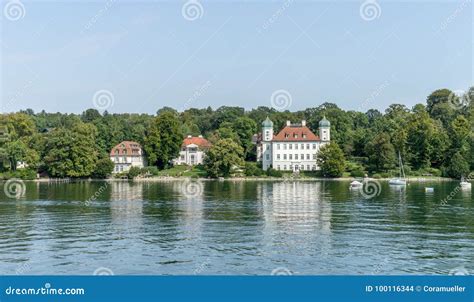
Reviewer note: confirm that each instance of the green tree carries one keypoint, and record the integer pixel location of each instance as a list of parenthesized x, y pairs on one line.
[(457, 166), (245, 129), (222, 157), (163, 139), (103, 168), (381, 153), (71, 153), (331, 160)]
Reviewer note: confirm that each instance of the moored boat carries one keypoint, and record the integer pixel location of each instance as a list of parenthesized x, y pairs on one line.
[(401, 180)]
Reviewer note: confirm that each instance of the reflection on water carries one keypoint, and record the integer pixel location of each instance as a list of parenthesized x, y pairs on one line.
[(235, 227)]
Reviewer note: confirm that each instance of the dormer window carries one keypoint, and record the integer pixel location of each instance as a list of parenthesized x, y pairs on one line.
[(287, 135), (295, 135), (304, 135)]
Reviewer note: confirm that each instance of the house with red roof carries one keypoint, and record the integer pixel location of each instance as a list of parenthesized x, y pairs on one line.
[(193, 151), (127, 154), (294, 148)]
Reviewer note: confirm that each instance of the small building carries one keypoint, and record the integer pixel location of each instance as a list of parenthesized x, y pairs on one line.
[(193, 151), (127, 154), (294, 148)]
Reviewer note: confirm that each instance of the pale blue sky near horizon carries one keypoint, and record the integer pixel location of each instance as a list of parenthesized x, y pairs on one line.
[(148, 55)]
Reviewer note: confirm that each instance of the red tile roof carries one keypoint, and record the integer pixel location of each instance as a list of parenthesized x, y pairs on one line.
[(200, 141), (127, 148), (296, 133)]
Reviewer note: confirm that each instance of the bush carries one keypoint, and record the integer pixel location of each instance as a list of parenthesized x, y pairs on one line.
[(358, 173), (274, 173), (133, 172), (376, 176), (26, 174), (103, 168), (151, 170), (251, 169)]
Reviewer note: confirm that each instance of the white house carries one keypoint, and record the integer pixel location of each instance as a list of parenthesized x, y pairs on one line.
[(127, 154), (294, 148), (193, 151)]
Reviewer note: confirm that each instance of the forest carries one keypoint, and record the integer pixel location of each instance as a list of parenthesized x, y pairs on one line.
[(434, 137)]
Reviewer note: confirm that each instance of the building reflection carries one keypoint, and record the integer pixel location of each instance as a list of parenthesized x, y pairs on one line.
[(296, 206), (190, 199), (126, 206)]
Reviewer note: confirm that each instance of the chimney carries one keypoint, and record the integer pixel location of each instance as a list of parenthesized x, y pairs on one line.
[(288, 123), (189, 136), (303, 123)]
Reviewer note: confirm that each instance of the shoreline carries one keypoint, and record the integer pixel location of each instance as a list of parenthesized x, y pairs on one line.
[(418, 179)]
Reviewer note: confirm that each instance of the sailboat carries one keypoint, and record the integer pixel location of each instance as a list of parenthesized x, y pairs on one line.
[(464, 183), (400, 181)]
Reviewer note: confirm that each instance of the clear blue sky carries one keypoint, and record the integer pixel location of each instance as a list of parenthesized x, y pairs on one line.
[(148, 55)]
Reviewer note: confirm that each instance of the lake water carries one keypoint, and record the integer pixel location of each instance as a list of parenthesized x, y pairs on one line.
[(236, 227)]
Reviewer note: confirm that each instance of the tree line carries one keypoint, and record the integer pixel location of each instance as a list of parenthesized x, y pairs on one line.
[(433, 138)]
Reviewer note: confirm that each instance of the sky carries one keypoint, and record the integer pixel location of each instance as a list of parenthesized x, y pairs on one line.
[(138, 56)]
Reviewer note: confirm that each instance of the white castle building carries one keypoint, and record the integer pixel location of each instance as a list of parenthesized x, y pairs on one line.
[(294, 148)]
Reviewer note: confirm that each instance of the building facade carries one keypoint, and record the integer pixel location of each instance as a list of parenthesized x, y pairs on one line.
[(127, 154), (193, 151), (295, 148)]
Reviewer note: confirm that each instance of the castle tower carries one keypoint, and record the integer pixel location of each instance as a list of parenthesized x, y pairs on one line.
[(267, 137), (325, 130)]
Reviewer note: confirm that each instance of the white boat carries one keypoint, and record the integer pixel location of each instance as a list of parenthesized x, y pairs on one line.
[(400, 181), (464, 183)]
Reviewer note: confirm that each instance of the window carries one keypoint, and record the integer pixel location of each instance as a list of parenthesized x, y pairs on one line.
[(291, 167), (182, 157), (268, 156), (278, 146), (296, 146), (302, 156), (304, 135), (295, 135), (308, 167), (278, 156), (314, 167), (290, 146), (302, 167), (307, 146), (302, 146), (284, 167), (314, 156), (278, 167), (124, 159), (290, 156), (314, 146), (296, 156), (284, 146), (284, 156), (307, 157)]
